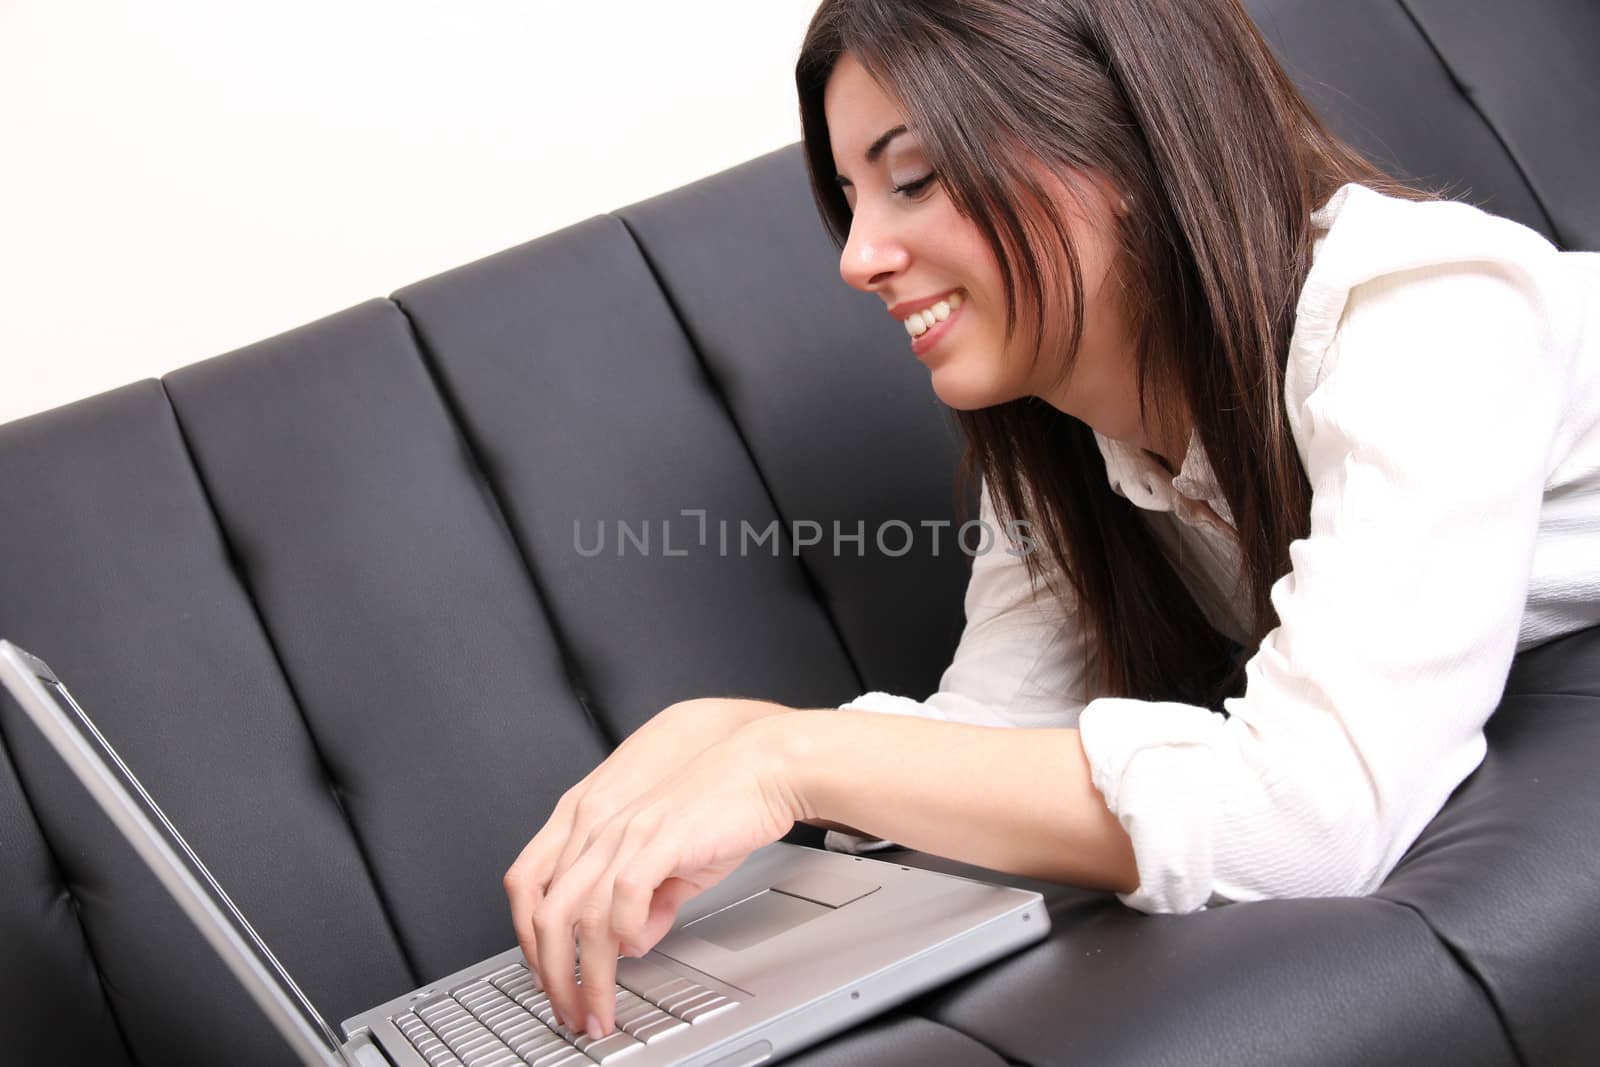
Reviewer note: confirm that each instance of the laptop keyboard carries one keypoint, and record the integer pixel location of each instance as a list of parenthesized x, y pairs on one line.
[(505, 1019)]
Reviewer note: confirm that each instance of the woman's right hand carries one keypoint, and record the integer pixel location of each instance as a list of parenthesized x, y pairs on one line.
[(648, 756)]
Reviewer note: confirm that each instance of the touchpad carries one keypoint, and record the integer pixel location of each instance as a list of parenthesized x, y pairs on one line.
[(752, 921), (772, 911)]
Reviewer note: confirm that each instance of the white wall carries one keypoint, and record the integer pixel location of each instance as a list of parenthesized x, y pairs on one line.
[(183, 177)]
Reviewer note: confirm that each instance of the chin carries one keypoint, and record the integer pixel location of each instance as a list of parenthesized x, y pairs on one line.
[(964, 394)]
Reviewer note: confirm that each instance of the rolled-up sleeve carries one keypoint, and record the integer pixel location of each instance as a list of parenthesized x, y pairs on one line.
[(1427, 427)]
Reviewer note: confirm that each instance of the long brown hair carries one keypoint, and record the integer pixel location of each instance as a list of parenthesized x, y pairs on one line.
[(1182, 106)]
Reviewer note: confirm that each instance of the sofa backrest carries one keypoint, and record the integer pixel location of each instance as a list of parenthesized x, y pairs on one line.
[(326, 595), (1498, 101)]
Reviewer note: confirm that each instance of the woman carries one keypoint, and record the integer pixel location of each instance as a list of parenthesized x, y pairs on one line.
[(1310, 455)]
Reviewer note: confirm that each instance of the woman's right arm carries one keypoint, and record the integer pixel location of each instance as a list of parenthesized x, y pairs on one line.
[(1022, 659)]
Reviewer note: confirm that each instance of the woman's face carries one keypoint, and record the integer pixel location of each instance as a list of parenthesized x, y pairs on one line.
[(910, 246)]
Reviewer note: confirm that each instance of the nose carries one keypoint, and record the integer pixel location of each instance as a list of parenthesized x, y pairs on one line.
[(872, 255)]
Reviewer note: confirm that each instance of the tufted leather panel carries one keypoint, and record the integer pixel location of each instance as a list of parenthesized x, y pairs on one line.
[(1528, 69), (115, 572), (1379, 83), (417, 649), (846, 388), (588, 406), (1508, 874), (1302, 983), (42, 932)]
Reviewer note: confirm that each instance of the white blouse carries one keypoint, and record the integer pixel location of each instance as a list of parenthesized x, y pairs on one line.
[(1443, 391)]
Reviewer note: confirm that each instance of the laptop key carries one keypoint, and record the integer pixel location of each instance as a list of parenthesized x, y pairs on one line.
[(613, 1047), (474, 1043), (495, 1015), (573, 1058), (533, 1002), (626, 1016), (536, 1044), (637, 1021), (436, 1053), (498, 1057), (441, 1011), (521, 983), (675, 988), (429, 1046), (508, 971), (557, 1056), (678, 1005), (453, 1033), (653, 1032), (458, 1030), (643, 977), (515, 1031), (709, 1009)]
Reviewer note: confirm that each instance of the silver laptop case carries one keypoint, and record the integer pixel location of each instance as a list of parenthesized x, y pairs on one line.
[(795, 945)]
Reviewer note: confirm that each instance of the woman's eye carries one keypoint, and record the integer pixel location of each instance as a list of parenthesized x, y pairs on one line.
[(913, 188)]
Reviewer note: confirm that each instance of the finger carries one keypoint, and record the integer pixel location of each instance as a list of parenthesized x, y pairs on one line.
[(624, 889), (524, 892), (612, 857), (529, 874), (646, 899), (525, 895), (664, 905), (578, 901), (556, 960), (577, 842), (589, 816), (597, 963)]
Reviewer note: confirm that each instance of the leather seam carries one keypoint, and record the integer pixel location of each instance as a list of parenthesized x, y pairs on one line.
[(818, 599), (65, 884), (452, 408), (1488, 124), (1473, 974), (328, 780)]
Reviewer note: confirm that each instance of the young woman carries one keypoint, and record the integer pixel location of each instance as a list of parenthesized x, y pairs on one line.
[(1308, 456)]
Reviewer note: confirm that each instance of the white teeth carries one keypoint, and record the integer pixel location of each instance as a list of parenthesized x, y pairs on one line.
[(920, 322)]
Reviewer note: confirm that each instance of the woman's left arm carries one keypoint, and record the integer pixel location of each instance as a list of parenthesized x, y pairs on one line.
[(1428, 437), (1427, 430)]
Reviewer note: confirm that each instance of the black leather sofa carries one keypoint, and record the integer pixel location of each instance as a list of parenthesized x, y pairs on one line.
[(325, 593)]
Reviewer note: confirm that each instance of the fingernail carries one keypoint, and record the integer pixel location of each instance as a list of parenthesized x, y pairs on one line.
[(594, 1028)]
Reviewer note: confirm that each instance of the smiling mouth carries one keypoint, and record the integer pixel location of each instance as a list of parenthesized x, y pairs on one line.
[(920, 322), (922, 342)]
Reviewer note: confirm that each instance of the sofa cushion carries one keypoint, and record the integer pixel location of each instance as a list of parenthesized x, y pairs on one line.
[(1380, 83), (1508, 875), (115, 571), (592, 413), (846, 397), (1528, 69)]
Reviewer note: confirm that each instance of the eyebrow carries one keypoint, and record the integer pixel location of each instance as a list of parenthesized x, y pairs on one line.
[(874, 150)]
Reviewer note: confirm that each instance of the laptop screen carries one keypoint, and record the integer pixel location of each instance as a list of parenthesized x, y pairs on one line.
[(70, 730)]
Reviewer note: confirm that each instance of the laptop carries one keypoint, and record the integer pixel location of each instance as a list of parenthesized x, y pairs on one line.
[(792, 947)]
